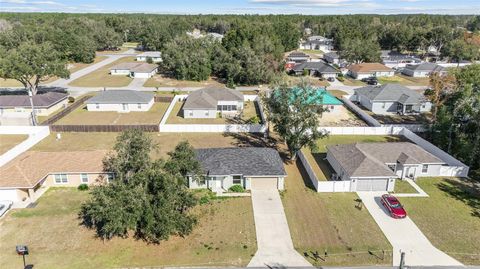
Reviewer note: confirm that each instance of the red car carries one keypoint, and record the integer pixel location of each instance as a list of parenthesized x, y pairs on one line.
[(393, 206)]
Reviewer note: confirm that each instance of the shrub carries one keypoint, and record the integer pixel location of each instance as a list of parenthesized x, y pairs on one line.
[(254, 120), (236, 188), (341, 79), (82, 187), (71, 99)]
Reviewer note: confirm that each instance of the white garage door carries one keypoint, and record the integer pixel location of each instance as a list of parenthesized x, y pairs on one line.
[(380, 184), (9, 194), (263, 183)]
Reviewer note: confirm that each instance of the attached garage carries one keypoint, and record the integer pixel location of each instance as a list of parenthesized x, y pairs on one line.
[(264, 183), (373, 184)]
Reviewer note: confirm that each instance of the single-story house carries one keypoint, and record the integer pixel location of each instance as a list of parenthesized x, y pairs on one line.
[(317, 43), (22, 178), (208, 102), (44, 104), (321, 98), (121, 101), (320, 69), (366, 70), (134, 70), (254, 168), (395, 59), (375, 166), (423, 69), (298, 57), (391, 98), (156, 56), (333, 58)]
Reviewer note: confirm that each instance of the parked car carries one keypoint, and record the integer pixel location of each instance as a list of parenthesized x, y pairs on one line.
[(393, 206), (4, 207), (331, 79), (371, 80)]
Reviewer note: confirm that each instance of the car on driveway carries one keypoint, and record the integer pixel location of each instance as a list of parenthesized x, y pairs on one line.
[(370, 80), (393, 206)]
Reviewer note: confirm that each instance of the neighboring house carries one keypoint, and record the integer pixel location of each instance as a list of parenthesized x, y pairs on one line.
[(196, 33), (319, 69), (298, 57), (44, 104), (156, 56), (121, 101), (423, 70), (375, 166), (208, 102), (333, 58), (322, 97), (216, 36), (391, 98), (395, 59), (366, 70), (319, 43), (24, 178), (134, 70), (251, 167)]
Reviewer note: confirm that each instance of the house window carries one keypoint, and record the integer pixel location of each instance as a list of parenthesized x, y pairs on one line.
[(84, 178), (202, 180), (383, 105), (424, 168), (139, 106), (97, 106), (423, 105), (207, 113), (234, 107), (61, 178), (392, 167), (190, 113), (237, 180), (110, 177), (332, 107), (219, 107)]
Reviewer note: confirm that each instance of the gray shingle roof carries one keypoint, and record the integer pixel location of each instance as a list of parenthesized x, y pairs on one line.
[(429, 67), (370, 159), (332, 54), (135, 67), (320, 67), (298, 54), (45, 100), (248, 161), (390, 92), (208, 98), (121, 96)]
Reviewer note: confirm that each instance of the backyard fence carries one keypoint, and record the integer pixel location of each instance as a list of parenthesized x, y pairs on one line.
[(35, 135), (65, 111), (103, 128)]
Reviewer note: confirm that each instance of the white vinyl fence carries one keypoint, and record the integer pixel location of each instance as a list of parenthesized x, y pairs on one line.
[(213, 128), (35, 135)]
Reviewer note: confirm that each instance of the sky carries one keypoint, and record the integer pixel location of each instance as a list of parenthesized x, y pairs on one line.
[(308, 7)]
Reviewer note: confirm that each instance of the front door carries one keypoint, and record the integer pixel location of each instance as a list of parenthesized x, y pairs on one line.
[(125, 107)]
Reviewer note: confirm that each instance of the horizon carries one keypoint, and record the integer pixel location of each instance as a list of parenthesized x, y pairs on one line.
[(247, 7)]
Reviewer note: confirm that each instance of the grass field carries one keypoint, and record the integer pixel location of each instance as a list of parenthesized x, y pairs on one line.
[(176, 116), (9, 141), (450, 217), (15, 83), (337, 93), (402, 186), (161, 80), (396, 80), (295, 80), (81, 116), (416, 81), (330, 222), (316, 158), (352, 82), (78, 66), (224, 236), (102, 78)]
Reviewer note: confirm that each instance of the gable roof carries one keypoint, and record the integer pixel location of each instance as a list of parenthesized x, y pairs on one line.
[(26, 170), (247, 161), (390, 92), (45, 100), (320, 67), (121, 96), (332, 54), (429, 67), (135, 67), (370, 159), (368, 67), (208, 98), (296, 54)]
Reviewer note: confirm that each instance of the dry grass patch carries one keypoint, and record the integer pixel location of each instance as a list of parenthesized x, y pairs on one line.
[(349, 81), (224, 236), (9, 141), (416, 81), (295, 80), (78, 66), (161, 80), (330, 222), (102, 78)]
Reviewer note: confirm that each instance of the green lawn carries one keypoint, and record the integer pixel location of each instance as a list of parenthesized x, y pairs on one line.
[(402, 186), (102, 78), (316, 158), (450, 217), (352, 82), (331, 222), (9, 141), (396, 80), (416, 81), (81, 116), (224, 236)]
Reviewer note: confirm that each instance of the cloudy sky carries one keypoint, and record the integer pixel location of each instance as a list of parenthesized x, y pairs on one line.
[(246, 6)]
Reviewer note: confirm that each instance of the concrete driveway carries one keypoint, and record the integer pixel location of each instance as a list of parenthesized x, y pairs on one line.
[(405, 236), (275, 247)]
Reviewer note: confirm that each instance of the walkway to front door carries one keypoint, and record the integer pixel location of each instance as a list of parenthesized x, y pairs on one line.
[(275, 247)]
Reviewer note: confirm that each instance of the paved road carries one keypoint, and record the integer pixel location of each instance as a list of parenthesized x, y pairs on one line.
[(405, 236), (275, 247)]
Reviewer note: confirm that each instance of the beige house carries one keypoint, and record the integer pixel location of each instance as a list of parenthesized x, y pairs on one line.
[(44, 104), (24, 178), (366, 70)]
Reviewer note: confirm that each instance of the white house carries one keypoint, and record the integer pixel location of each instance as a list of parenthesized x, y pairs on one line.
[(298, 57), (391, 99), (208, 102), (319, 43), (156, 56), (375, 166), (395, 59), (250, 167), (366, 70), (121, 101), (423, 70), (134, 70), (333, 58), (319, 69)]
